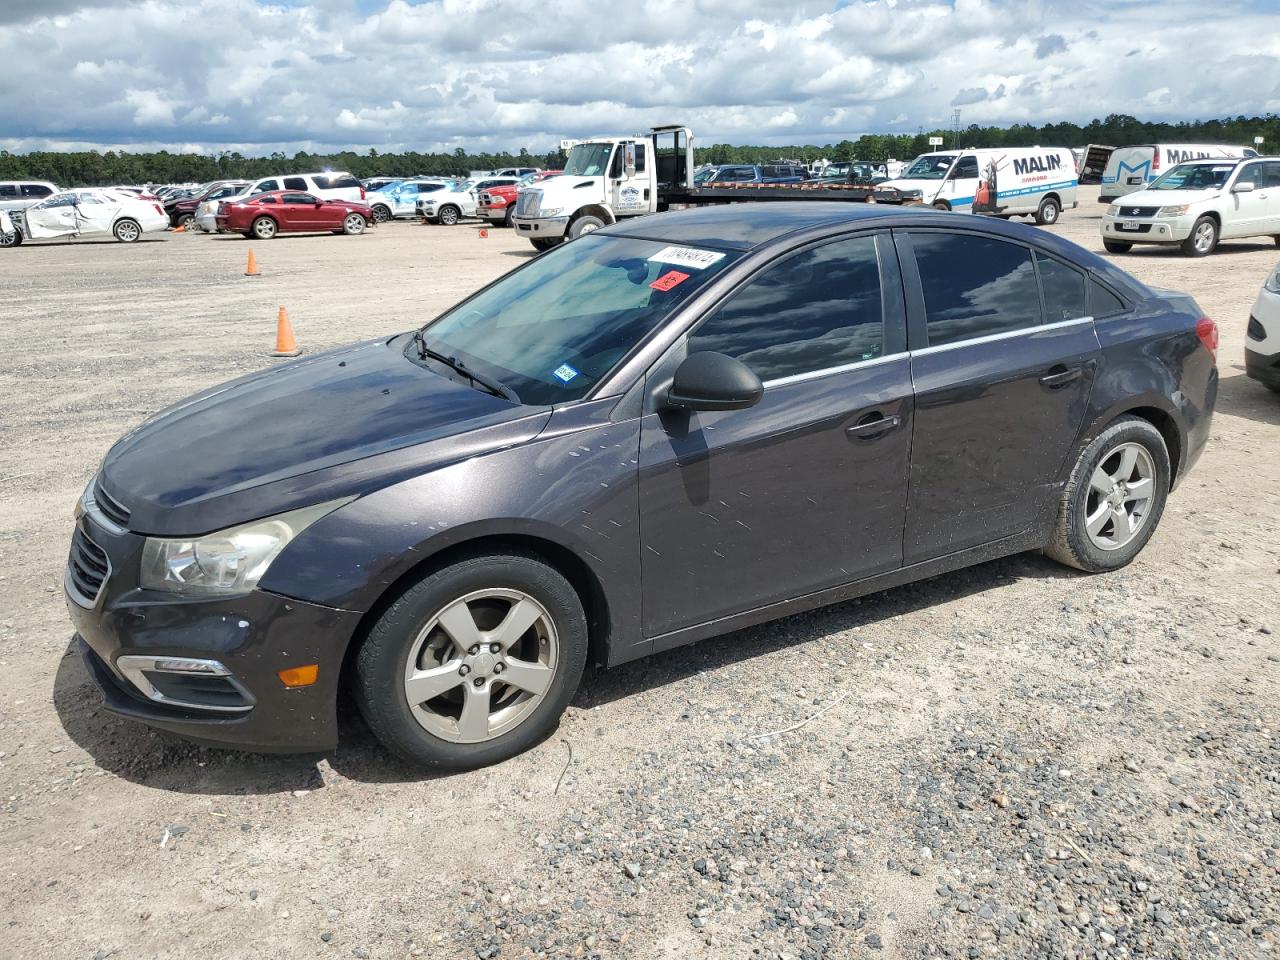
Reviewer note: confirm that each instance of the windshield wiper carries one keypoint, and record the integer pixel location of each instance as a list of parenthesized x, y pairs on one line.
[(495, 387)]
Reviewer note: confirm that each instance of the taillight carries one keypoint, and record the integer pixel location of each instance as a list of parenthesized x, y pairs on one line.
[(362, 193), (1207, 331), (1155, 164), (159, 209)]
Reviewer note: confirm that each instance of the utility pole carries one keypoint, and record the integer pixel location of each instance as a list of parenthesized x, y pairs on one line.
[(955, 128)]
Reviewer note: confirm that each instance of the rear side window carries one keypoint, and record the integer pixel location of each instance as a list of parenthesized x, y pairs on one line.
[(266, 186), (35, 190), (975, 286), (7, 190), (1104, 303), (295, 183), (337, 181), (1065, 291), (818, 309)]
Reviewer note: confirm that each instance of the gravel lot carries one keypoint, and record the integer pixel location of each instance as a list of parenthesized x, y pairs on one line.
[(1020, 761)]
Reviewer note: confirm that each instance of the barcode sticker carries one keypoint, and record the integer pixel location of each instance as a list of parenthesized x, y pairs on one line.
[(690, 257)]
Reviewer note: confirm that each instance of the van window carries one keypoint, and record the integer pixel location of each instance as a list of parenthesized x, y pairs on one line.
[(818, 309), (966, 168), (294, 183), (1065, 291), (975, 286)]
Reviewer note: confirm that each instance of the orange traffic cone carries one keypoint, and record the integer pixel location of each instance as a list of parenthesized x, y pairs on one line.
[(251, 268), (484, 232), (286, 345), (181, 228)]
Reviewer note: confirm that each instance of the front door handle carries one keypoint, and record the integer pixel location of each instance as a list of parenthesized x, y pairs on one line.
[(1059, 376), (873, 425)]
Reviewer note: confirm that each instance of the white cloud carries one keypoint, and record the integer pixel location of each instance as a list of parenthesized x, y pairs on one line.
[(316, 74)]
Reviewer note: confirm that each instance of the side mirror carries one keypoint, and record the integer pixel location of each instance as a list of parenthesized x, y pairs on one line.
[(1244, 186), (713, 381)]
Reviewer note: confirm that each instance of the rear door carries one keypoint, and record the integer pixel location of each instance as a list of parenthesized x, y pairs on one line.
[(1002, 379), (807, 489)]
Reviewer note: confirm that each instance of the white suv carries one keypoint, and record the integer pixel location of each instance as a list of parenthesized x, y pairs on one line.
[(1262, 341), (329, 185), (18, 194), (1198, 203), (450, 206)]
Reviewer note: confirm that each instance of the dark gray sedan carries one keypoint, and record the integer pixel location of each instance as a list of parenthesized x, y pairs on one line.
[(668, 429)]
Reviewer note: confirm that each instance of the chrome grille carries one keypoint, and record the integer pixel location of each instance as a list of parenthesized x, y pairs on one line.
[(1138, 211), (110, 507), (527, 203), (87, 569)]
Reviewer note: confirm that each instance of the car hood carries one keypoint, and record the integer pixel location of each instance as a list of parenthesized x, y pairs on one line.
[(1166, 198), (334, 425)]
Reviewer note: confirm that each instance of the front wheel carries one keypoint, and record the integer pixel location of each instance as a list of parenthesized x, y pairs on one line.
[(545, 243), (353, 225), (509, 219), (381, 213), (449, 215), (264, 228), (1048, 213), (11, 239), (1203, 238), (1116, 246), (584, 224), (473, 664), (1116, 495), (127, 231)]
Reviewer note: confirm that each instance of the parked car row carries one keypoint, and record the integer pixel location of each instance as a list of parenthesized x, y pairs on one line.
[(497, 205)]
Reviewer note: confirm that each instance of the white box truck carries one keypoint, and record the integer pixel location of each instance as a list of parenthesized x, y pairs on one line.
[(1008, 182), (1132, 168)]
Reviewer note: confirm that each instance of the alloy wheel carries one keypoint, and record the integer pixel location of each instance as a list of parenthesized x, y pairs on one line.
[(1205, 233), (127, 231), (354, 223), (1120, 492), (264, 228), (481, 665)]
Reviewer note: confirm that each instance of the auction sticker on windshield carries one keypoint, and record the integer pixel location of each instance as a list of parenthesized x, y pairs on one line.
[(672, 278), (687, 257)]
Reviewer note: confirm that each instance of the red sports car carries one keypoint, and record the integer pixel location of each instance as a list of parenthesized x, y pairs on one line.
[(290, 211)]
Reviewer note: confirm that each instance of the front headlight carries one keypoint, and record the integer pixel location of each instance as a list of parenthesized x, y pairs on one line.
[(1176, 210), (1273, 281), (1113, 210), (550, 211), (228, 562)]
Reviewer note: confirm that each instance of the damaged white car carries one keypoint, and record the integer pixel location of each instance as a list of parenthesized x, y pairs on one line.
[(88, 213)]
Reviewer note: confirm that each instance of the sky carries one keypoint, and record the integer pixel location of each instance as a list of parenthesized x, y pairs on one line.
[(320, 75)]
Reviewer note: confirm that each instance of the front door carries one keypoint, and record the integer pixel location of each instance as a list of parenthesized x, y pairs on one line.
[(1252, 214), (1002, 383), (806, 490), (629, 176)]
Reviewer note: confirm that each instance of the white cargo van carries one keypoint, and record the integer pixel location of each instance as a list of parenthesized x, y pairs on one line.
[(1035, 182), (1132, 168)]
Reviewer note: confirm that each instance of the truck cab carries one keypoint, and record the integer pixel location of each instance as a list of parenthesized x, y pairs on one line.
[(605, 179)]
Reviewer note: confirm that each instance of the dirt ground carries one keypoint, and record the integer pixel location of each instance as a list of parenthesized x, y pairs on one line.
[(1019, 761)]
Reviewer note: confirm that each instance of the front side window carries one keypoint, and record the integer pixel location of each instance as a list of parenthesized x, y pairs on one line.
[(551, 330), (59, 200), (817, 309), (975, 286), (966, 169), (300, 198), (1066, 294)]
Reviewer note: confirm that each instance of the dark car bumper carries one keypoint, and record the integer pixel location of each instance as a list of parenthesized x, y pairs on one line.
[(252, 637), (1264, 369)]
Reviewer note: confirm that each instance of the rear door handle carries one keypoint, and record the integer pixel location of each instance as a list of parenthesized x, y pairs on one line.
[(1060, 376), (873, 425)]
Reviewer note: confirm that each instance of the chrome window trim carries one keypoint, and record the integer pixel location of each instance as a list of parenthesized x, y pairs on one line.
[(827, 371), (1002, 335), (132, 667)]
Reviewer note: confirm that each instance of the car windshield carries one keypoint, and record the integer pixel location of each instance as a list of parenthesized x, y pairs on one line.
[(932, 166), (551, 330), (1194, 176), (588, 160)]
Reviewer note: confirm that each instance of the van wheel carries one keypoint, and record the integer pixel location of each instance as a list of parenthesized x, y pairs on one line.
[(1203, 238), (474, 663), (1048, 213), (587, 223), (264, 228), (1114, 499), (1116, 246), (942, 205)]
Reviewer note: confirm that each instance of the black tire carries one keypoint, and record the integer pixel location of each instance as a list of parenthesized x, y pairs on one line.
[(508, 219), (382, 658), (587, 223), (1196, 245), (1277, 240), (942, 205), (1049, 211), (1071, 543), (264, 228), (185, 220), (354, 224), (1116, 246), (449, 215), (381, 213), (126, 230), (544, 243)]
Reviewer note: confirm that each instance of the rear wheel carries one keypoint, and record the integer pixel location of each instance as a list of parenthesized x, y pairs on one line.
[(127, 231), (353, 225), (1114, 499), (1203, 238), (1049, 212), (264, 228), (381, 213), (1116, 246), (449, 215), (184, 221), (942, 205), (474, 663)]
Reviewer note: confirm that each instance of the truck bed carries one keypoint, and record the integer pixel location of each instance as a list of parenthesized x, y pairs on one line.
[(745, 192)]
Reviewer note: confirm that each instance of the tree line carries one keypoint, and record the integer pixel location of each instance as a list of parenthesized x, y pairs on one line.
[(92, 168)]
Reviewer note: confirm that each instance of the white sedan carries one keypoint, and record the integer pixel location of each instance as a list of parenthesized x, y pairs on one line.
[(90, 213)]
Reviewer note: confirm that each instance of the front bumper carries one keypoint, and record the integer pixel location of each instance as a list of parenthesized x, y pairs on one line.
[(1265, 369), (253, 636), (492, 214), (548, 227), (1151, 229)]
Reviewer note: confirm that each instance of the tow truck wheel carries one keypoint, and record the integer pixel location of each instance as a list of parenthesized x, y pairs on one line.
[(584, 224), (544, 243)]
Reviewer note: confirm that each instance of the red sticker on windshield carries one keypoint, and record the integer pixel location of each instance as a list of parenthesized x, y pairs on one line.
[(669, 279)]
